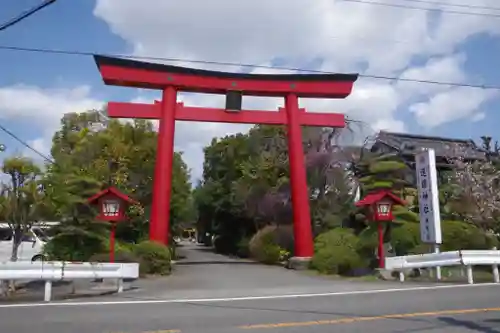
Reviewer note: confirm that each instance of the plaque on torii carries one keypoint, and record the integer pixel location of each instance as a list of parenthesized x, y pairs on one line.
[(173, 79)]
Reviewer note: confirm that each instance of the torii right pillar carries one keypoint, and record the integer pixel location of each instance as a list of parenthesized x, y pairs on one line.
[(172, 79)]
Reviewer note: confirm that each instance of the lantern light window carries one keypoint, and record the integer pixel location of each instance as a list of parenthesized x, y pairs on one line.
[(110, 207), (384, 208)]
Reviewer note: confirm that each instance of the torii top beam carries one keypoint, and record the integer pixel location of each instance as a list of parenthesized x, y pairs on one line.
[(138, 74)]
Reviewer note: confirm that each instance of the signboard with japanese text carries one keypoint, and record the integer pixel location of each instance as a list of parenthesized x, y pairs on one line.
[(428, 197)]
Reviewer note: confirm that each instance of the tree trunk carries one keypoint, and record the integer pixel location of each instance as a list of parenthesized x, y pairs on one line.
[(15, 247), (9, 287)]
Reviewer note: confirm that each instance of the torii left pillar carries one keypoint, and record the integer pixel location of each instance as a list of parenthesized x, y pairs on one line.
[(172, 79)]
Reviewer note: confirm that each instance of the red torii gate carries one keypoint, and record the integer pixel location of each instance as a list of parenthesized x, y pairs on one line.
[(171, 79)]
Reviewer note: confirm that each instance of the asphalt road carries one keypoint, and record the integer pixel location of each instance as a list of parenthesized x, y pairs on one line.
[(299, 303)]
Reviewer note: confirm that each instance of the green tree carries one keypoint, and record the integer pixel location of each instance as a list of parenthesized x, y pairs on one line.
[(246, 183), (384, 172), (22, 198), (120, 154)]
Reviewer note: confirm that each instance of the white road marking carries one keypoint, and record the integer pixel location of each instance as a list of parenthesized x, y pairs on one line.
[(247, 298)]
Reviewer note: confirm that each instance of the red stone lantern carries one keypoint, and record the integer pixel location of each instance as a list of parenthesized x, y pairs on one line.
[(380, 204), (112, 206)]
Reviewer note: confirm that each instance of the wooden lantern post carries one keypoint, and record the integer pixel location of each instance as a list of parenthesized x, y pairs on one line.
[(112, 206), (381, 203)]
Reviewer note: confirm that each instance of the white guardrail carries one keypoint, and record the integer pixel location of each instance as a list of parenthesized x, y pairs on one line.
[(58, 270), (467, 258)]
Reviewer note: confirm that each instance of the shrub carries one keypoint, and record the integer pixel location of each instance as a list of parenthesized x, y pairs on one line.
[(456, 235), (74, 245), (223, 244), (263, 247), (155, 257), (368, 241), (463, 236), (405, 238), (283, 237), (336, 237), (120, 257), (243, 248), (336, 252)]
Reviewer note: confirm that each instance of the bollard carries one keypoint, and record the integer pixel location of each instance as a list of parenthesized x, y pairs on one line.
[(401, 276), (48, 291)]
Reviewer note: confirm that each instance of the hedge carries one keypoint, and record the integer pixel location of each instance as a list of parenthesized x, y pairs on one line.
[(336, 252)]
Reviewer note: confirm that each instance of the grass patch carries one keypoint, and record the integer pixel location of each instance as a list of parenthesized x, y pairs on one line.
[(365, 278)]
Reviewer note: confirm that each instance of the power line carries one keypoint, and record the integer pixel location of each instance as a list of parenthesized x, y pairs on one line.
[(232, 64), (458, 5), (27, 145), (26, 14), (422, 8)]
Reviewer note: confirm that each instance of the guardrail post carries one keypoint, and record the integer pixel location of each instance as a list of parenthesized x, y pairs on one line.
[(496, 277), (48, 291), (119, 286), (470, 277), (438, 269)]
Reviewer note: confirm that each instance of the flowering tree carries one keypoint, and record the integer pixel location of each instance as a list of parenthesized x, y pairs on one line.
[(474, 189)]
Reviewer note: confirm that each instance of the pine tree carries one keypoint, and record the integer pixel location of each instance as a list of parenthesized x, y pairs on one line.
[(385, 172)]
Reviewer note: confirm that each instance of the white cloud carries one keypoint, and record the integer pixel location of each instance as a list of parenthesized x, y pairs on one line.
[(43, 108), (259, 30), (478, 117), (342, 36), (451, 105), (347, 36), (45, 105)]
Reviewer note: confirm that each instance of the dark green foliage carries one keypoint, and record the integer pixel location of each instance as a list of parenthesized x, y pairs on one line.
[(383, 172), (246, 185), (155, 257), (405, 238), (121, 256), (122, 155), (368, 242), (244, 248), (463, 236), (225, 244), (74, 244), (336, 252)]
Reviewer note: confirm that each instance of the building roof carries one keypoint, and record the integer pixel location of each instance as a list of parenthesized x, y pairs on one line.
[(443, 147)]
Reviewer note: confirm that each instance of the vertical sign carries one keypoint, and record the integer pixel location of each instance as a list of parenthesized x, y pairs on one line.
[(428, 197)]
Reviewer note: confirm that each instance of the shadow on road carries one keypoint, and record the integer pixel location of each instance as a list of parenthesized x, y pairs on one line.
[(40, 284), (205, 255), (184, 262), (474, 326), (203, 249)]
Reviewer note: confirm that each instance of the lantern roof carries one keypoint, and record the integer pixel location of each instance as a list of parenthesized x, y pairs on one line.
[(374, 197), (113, 191)]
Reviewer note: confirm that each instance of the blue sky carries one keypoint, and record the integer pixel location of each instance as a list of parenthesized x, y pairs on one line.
[(71, 25)]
